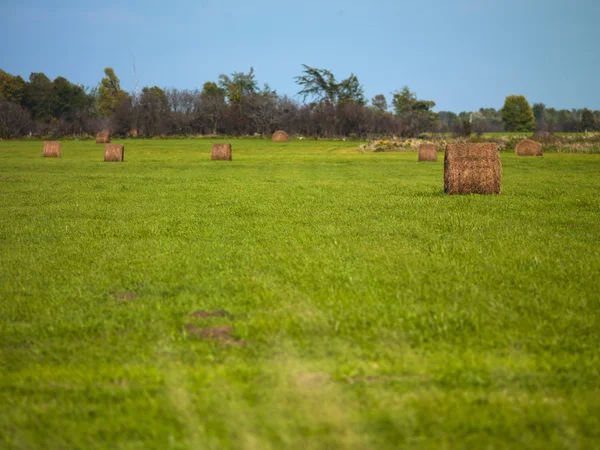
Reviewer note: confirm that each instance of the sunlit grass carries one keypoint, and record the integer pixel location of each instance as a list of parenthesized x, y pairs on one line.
[(368, 309)]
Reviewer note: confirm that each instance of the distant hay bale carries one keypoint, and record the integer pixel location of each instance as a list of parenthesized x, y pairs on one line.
[(428, 152), (221, 152), (472, 169), (114, 152), (51, 149), (133, 132), (528, 147), (280, 136), (103, 137)]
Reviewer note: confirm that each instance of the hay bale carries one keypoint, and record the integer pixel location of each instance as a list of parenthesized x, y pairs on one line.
[(472, 169), (103, 137), (528, 147), (221, 152), (114, 152), (428, 152), (133, 132), (280, 136), (51, 149)]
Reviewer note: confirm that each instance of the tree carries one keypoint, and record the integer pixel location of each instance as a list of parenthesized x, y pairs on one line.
[(238, 86), (110, 93), (379, 102), (517, 115), (321, 85), (154, 110), (588, 123), (38, 97), (318, 84), (14, 120), (213, 103), (11, 87), (68, 99), (415, 115)]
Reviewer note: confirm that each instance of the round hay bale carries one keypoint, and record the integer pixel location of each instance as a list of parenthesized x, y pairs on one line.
[(51, 149), (528, 147), (428, 152), (221, 152), (472, 169), (280, 136), (114, 152), (103, 137)]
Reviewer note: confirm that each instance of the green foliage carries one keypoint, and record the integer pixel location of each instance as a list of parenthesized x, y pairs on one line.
[(68, 99), (416, 115), (377, 313), (39, 97), (588, 122), (517, 115), (11, 87), (211, 89), (539, 112), (238, 85), (110, 94), (379, 102), (321, 85)]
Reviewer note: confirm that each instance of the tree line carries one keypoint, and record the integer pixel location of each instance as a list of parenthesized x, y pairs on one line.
[(235, 104)]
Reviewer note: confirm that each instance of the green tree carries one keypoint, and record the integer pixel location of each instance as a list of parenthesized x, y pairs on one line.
[(415, 115), (517, 115), (588, 123), (379, 102), (110, 94), (321, 86), (238, 85), (68, 99), (539, 112), (11, 87), (154, 110), (39, 96)]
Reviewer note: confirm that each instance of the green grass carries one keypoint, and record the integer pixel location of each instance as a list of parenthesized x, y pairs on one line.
[(376, 311)]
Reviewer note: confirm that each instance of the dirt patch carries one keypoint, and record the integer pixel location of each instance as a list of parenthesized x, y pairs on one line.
[(312, 379), (204, 314), (220, 333), (384, 379), (124, 295)]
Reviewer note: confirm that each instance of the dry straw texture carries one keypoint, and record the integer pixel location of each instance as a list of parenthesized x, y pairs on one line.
[(51, 149), (114, 152), (280, 136), (528, 148), (221, 152), (428, 152), (472, 169), (103, 137)]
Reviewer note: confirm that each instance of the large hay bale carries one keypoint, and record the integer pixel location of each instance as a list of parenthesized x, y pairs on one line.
[(528, 147), (280, 136), (221, 152), (51, 149), (472, 169), (428, 152), (103, 137), (114, 152)]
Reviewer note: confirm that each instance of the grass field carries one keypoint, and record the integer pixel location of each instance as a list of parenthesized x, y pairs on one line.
[(362, 307)]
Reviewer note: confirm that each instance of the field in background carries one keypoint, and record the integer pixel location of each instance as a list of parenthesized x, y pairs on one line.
[(366, 308)]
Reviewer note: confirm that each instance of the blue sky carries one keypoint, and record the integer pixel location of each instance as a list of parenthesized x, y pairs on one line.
[(463, 54)]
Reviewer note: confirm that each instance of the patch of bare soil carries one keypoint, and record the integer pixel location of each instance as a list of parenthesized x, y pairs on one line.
[(220, 333), (204, 314), (124, 295)]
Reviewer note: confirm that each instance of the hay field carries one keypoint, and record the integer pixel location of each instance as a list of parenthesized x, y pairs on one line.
[(301, 296)]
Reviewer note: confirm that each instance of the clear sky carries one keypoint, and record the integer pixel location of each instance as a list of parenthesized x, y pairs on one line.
[(463, 54)]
